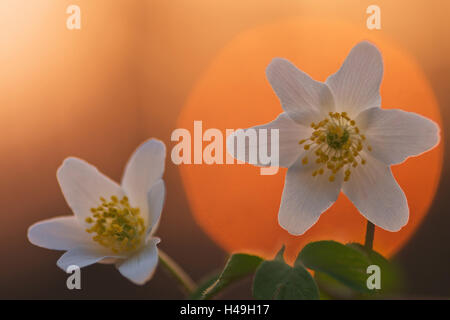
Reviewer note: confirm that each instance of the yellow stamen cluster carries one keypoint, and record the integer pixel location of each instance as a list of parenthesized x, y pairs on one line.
[(116, 225), (336, 143)]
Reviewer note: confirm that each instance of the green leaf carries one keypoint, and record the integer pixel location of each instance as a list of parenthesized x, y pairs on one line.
[(275, 279), (348, 264), (239, 265), (205, 284), (331, 288)]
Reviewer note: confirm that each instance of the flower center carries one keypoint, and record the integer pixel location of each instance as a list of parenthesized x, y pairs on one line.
[(116, 225), (336, 142)]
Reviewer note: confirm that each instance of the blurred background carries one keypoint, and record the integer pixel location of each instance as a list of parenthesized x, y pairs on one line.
[(98, 92)]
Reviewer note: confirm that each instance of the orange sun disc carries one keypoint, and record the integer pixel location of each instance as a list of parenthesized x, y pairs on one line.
[(238, 207)]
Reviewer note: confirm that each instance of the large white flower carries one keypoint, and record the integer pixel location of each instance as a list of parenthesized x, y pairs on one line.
[(334, 136), (111, 223)]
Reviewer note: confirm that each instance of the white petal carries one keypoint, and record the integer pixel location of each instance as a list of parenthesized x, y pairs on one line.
[(155, 200), (304, 99), (61, 233), (83, 185), (84, 256), (356, 85), (374, 191), (145, 167), (394, 135), (289, 135), (305, 197), (140, 267)]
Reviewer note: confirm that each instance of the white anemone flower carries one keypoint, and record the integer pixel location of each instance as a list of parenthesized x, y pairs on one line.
[(334, 136), (112, 223)]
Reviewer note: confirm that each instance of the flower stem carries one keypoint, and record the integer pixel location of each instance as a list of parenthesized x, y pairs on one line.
[(370, 233), (179, 274)]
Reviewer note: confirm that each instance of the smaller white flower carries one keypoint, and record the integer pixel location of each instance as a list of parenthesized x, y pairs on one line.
[(111, 223), (335, 136)]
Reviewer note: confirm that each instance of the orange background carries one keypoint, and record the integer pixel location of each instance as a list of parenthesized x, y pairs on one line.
[(98, 92)]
